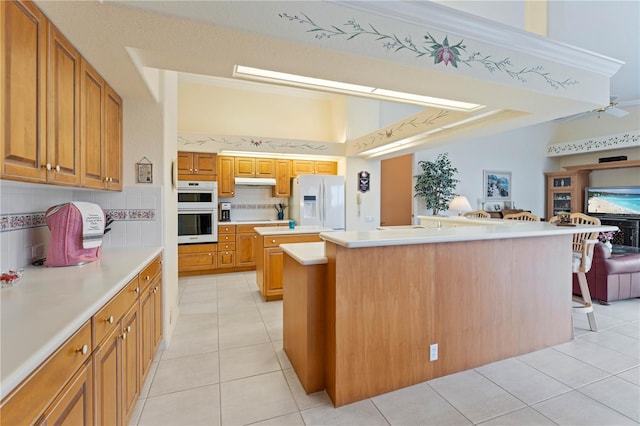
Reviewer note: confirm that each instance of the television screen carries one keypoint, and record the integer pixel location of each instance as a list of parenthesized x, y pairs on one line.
[(620, 201)]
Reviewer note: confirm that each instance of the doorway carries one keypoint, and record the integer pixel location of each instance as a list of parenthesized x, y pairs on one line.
[(396, 191)]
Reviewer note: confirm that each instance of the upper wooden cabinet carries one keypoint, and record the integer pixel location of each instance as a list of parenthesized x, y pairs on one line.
[(23, 68), (62, 123), (63, 126), (226, 177), (254, 167), (196, 166), (311, 167), (283, 179)]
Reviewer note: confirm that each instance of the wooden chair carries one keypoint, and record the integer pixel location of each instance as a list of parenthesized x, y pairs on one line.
[(522, 216), (478, 214), (583, 244)]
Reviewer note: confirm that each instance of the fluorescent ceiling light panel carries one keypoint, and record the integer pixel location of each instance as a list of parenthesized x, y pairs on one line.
[(242, 71)]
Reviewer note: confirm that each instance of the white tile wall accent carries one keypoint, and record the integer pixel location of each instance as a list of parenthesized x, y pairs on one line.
[(254, 203), (18, 197)]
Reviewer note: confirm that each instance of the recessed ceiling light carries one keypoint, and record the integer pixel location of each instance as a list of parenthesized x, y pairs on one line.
[(258, 74)]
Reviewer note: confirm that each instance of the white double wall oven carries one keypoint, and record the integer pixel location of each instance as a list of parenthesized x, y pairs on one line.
[(197, 212)]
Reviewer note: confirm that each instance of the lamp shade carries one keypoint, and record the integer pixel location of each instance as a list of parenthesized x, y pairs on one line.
[(460, 204)]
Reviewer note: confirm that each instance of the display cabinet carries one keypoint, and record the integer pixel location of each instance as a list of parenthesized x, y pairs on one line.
[(565, 191)]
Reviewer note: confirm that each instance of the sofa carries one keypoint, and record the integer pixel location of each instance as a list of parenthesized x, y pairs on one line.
[(612, 277)]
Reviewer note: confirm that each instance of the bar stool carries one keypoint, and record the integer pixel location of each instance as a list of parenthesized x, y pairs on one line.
[(522, 216), (582, 247), (481, 214)]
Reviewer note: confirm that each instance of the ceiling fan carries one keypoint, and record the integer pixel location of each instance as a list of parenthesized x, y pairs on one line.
[(611, 109)]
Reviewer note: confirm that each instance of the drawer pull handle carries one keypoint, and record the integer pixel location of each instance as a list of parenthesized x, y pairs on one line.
[(109, 320), (83, 350), (155, 290), (136, 290)]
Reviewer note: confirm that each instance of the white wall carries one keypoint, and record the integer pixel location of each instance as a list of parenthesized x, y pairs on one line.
[(521, 152)]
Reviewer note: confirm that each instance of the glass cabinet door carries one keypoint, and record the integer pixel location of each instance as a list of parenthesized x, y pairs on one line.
[(562, 182), (561, 202)]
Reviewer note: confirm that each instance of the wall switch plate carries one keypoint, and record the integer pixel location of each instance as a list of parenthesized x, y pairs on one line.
[(369, 219), (433, 352)]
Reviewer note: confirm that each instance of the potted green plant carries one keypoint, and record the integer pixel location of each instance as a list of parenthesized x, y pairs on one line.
[(436, 183)]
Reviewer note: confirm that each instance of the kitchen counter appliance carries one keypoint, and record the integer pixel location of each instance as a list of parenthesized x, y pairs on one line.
[(197, 212)]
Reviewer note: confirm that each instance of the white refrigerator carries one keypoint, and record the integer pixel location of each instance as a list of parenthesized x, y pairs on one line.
[(318, 200)]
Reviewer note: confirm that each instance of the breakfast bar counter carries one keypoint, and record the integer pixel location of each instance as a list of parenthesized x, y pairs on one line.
[(403, 306)]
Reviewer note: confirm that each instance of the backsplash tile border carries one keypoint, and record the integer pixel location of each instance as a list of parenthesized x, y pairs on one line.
[(18, 221), (252, 206)]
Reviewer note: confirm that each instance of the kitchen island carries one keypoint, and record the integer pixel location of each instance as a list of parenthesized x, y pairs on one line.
[(270, 257), (480, 293)]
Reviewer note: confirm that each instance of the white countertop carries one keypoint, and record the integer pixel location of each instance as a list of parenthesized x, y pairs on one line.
[(403, 236), (254, 222), (306, 253), (48, 305), (284, 230)]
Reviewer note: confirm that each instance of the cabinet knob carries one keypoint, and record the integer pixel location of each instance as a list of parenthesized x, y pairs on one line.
[(273, 241), (128, 329), (255, 236), (109, 320), (136, 290), (106, 179), (83, 350), (147, 278), (124, 336), (209, 254), (47, 166), (58, 168), (155, 290), (195, 170), (190, 170)]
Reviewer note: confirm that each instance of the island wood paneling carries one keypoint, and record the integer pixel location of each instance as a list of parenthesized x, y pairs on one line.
[(303, 314), (480, 301)]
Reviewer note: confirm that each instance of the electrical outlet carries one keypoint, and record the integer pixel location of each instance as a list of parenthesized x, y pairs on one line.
[(37, 251), (433, 352), (369, 219)]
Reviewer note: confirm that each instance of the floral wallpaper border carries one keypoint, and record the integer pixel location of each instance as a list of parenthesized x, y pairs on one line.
[(617, 141), (426, 46), (18, 221), (252, 143)]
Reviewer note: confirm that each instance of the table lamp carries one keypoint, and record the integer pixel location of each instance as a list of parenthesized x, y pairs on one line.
[(460, 204)]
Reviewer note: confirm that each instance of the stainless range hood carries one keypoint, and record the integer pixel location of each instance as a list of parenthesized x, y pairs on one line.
[(255, 181)]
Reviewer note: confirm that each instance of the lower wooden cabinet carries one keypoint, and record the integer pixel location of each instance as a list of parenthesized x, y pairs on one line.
[(270, 260), (74, 405), (197, 257), (96, 376)]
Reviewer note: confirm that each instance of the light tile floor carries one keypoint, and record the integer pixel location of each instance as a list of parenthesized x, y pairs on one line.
[(226, 366)]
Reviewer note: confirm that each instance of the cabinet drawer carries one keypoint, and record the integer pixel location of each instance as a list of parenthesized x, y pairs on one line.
[(107, 318), (248, 228), (226, 229), (151, 270), (275, 241), (226, 238), (227, 246), (191, 261), (197, 248), (34, 395)]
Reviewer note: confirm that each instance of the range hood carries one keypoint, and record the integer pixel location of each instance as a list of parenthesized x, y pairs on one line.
[(255, 181)]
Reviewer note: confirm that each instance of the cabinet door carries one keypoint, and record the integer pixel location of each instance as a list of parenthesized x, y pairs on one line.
[(226, 177), (204, 164), (274, 259), (326, 168), (113, 139), (92, 92), (246, 246), (265, 168), (156, 332), (131, 355), (107, 362), (146, 332), (302, 167), (23, 49), (283, 179), (74, 405), (245, 167), (226, 259), (185, 163), (63, 128)]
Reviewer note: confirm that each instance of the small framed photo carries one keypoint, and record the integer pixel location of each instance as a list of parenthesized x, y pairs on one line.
[(145, 172), (493, 206), (497, 185)]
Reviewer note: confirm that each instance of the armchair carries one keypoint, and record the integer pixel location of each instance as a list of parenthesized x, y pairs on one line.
[(612, 277)]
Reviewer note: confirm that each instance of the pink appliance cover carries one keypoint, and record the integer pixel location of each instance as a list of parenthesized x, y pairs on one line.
[(65, 244)]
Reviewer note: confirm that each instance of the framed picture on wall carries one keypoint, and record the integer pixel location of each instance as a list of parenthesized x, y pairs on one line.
[(497, 185)]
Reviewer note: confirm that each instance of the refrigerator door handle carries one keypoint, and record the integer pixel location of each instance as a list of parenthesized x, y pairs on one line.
[(322, 202)]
